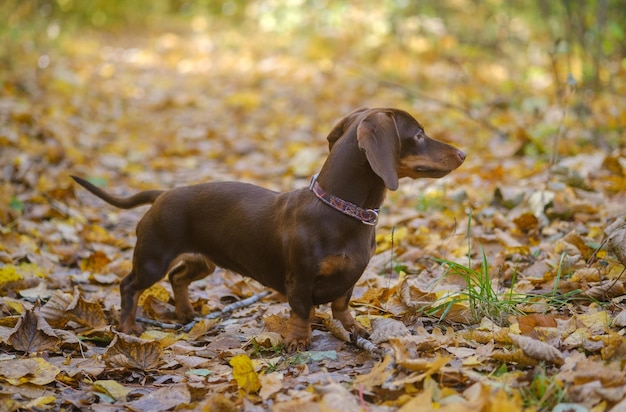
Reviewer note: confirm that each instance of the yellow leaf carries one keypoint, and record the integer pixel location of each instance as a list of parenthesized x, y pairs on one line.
[(598, 322), (377, 376), (501, 401), (40, 403), (32, 370), (384, 240), (112, 388), (243, 372), (9, 274), (95, 263), (157, 291), (422, 402)]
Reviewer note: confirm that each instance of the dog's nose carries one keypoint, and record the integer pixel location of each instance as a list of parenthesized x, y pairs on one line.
[(461, 156)]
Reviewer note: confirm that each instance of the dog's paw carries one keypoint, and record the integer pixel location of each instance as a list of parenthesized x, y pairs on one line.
[(186, 316), (358, 330), (297, 344), (131, 328)]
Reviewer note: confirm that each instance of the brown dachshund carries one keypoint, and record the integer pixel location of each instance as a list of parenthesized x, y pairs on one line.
[(311, 244)]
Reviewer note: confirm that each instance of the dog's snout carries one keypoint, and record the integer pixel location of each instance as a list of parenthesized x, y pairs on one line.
[(461, 155)]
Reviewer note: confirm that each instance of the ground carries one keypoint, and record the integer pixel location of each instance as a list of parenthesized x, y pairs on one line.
[(498, 287)]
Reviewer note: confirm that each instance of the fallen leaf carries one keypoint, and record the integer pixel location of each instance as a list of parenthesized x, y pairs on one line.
[(243, 372), (163, 399), (85, 313), (130, 352), (271, 383), (55, 308), (384, 329), (528, 323), (537, 349), (37, 371), (32, 333), (616, 239), (379, 374), (335, 397), (112, 388)]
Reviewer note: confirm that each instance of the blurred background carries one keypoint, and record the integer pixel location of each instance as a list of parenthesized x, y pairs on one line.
[(165, 92)]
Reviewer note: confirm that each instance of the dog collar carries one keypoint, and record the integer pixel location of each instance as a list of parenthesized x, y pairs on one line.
[(367, 216)]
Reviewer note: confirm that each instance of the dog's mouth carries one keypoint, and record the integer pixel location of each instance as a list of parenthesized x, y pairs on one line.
[(421, 166), (434, 173), (420, 171)]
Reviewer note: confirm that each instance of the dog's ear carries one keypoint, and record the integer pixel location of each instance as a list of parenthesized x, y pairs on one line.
[(342, 126), (377, 136)]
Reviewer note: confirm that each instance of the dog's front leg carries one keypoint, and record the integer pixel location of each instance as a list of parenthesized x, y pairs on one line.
[(299, 330), (341, 311)]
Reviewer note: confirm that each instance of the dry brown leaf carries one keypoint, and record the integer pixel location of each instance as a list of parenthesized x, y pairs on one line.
[(54, 309), (526, 222), (517, 357), (606, 290), (32, 370), (271, 383), (616, 239), (336, 398), (414, 297), (620, 319), (96, 262), (269, 339), (384, 329), (528, 323), (537, 349), (85, 313), (379, 374), (130, 352), (163, 399), (574, 238), (32, 333)]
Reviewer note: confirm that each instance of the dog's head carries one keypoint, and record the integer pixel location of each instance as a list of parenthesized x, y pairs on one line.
[(396, 145)]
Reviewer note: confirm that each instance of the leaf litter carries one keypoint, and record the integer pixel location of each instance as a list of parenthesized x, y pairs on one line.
[(500, 287)]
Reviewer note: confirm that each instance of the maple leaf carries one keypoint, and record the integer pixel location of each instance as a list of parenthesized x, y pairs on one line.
[(130, 352), (32, 333), (85, 313)]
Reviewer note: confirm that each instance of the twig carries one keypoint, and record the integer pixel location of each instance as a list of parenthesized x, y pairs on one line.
[(245, 302), (228, 309), (213, 315), (336, 328), (162, 325)]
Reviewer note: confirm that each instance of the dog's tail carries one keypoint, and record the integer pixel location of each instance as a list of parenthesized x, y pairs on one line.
[(141, 198)]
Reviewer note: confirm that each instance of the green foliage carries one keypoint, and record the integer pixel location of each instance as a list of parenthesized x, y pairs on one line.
[(543, 391), (479, 294)]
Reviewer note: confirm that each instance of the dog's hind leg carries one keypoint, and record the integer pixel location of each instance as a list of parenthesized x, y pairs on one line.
[(183, 270), (131, 288)]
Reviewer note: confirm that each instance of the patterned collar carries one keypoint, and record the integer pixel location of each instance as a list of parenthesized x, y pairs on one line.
[(367, 216)]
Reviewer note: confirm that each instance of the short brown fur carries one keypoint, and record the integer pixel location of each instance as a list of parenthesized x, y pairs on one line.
[(291, 241)]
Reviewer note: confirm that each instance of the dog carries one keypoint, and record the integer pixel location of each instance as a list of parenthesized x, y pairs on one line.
[(311, 244)]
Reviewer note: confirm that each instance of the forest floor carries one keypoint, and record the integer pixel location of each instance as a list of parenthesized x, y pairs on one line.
[(498, 287)]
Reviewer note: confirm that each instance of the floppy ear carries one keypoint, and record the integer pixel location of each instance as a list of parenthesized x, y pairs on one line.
[(377, 136), (342, 125)]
